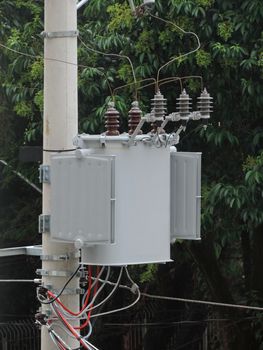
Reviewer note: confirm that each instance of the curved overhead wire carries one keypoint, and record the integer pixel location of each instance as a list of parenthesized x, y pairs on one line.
[(113, 55), (129, 84), (54, 60), (180, 56), (170, 80)]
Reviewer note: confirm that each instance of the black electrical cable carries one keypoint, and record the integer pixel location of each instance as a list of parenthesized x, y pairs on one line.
[(62, 290)]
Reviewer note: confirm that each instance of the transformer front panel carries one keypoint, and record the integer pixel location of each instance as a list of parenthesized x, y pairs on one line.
[(142, 188), (81, 199)]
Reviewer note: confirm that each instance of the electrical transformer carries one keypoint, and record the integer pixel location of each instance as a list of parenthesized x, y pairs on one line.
[(116, 201), (123, 205), (123, 198)]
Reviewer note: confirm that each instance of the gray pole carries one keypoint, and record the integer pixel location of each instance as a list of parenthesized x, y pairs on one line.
[(60, 126)]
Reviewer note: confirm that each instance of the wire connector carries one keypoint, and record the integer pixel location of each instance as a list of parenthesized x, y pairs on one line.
[(41, 319), (41, 290), (134, 288)]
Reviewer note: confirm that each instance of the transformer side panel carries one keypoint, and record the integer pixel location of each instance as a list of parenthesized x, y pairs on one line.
[(185, 195)]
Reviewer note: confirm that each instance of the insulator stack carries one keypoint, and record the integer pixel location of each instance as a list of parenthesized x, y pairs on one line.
[(184, 105), (159, 106), (205, 104), (135, 115), (158, 110), (112, 120)]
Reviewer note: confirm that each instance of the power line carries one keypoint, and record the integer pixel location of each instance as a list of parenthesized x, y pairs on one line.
[(42, 57), (17, 280), (30, 183), (184, 300), (174, 323), (213, 303), (67, 62)]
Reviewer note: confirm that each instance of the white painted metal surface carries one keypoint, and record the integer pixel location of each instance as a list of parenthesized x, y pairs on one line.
[(185, 195), (142, 206), (142, 182), (86, 213), (33, 250)]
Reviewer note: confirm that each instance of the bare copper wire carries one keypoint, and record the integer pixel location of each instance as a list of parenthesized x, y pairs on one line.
[(114, 55), (177, 57)]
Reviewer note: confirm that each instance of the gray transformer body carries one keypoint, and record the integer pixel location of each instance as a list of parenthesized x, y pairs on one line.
[(122, 209), (118, 203)]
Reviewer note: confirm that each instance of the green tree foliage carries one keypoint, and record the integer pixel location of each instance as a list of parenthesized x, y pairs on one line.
[(231, 63), (20, 116)]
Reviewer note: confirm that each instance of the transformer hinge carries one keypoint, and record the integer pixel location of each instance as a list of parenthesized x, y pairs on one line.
[(44, 173), (43, 223)]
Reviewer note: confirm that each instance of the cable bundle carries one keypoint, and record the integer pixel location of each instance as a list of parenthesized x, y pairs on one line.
[(62, 317)]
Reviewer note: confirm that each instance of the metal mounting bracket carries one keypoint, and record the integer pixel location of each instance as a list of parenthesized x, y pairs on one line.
[(103, 140), (67, 291), (44, 173), (43, 223), (60, 34), (54, 273), (62, 257)]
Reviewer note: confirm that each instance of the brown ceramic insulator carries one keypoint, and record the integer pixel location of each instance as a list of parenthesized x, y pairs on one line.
[(112, 120), (135, 115)]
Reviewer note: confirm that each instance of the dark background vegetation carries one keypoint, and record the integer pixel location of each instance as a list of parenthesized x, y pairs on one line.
[(226, 265)]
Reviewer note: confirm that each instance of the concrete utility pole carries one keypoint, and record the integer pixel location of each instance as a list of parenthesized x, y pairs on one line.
[(60, 126)]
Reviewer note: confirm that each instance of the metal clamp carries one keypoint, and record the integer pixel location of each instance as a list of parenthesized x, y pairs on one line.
[(43, 223), (62, 257), (67, 291), (103, 140), (54, 273), (195, 115), (44, 173), (60, 34)]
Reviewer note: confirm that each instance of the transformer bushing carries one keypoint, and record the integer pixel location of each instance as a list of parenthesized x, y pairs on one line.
[(112, 120), (184, 105), (205, 104), (135, 115), (159, 104)]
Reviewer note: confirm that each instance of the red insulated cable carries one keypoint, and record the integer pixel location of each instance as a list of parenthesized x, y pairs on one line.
[(71, 329), (89, 314), (61, 346), (86, 300)]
